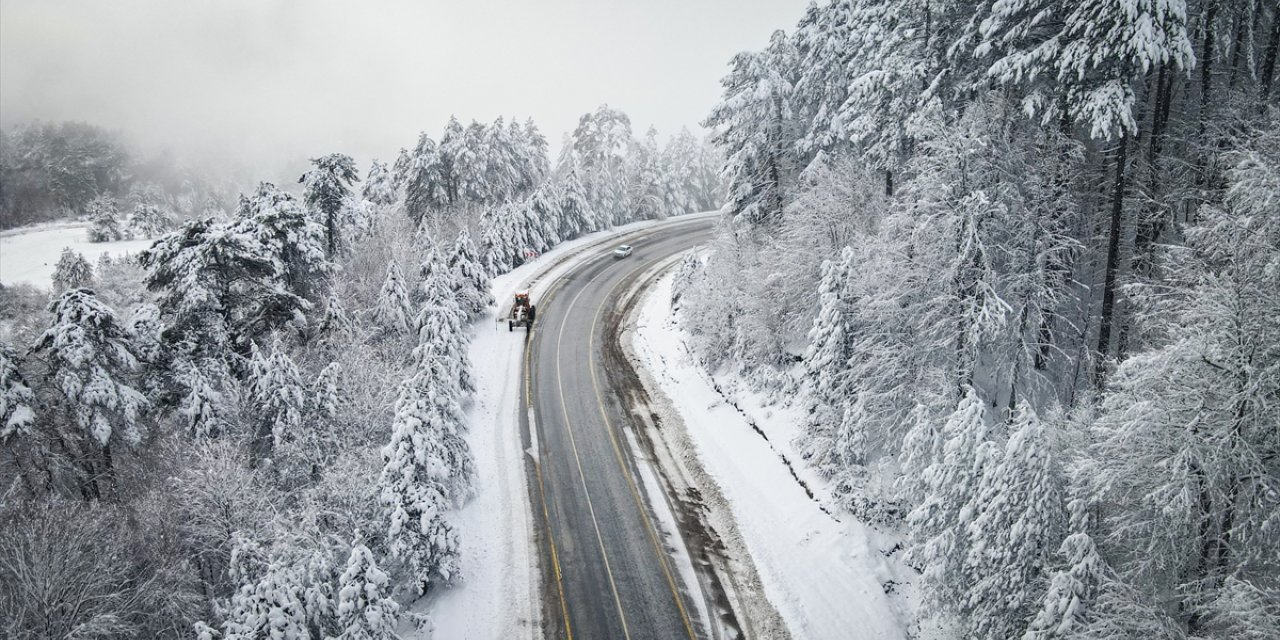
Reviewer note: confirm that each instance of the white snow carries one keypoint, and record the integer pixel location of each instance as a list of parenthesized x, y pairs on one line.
[(823, 575), (499, 593), (29, 256)]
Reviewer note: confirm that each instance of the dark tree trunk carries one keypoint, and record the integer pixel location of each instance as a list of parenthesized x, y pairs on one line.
[(1113, 264), (1269, 60)]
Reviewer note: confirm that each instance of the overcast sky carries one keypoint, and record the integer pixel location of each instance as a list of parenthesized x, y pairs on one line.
[(275, 81)]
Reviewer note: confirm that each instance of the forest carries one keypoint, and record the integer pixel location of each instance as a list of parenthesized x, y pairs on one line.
[(1020, 261), (258, 427)]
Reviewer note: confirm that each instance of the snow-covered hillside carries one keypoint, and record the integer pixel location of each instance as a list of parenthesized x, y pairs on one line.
[(28, 256)]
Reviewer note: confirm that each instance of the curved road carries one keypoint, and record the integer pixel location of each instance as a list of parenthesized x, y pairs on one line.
[(607, 575)]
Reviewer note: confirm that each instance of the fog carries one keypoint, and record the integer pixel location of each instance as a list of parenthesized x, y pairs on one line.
[(265, 84)]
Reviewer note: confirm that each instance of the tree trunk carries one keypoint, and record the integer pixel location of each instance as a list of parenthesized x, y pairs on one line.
[(1269, 62), (1113, 265)]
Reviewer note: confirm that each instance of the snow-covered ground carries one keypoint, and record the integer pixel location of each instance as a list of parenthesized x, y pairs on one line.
[(29, 256), (825, 574), (498, 596)]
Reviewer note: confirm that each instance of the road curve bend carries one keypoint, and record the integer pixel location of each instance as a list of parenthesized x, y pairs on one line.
[(607, 574)]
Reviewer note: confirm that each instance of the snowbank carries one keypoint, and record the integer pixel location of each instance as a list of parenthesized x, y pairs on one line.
[(499, 596), (29, 256), (827, 575)]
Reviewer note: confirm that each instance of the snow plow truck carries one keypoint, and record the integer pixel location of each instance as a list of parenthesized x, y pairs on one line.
[(522, 312)]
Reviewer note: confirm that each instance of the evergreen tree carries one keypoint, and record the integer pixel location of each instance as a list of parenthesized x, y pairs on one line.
[(149, 220), (328, 189), (379, 185), (104, 220), (940, 524), (279, 398), (1016, 526), (203, 406), (756, 125), (366, 610), (423, 179), (392, 312), (71, 272), (471, 284), (17, 414), (826, 364), (92, 364), (413, 488)]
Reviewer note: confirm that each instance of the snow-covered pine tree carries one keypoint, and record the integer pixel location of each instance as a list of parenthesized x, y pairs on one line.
[(440, 325), (575, 213), (379, 185), (269, 600), (755, 124), (104, 220), (393, 310), (597, 149), (91, 362), (203, 405), (469, 279), (71, 272), (279, 398), (422, 179), (414, 488), (328, 187), (17, 414), (826, 367), (326, 395), (210, 277), (295, 242), (150, 219), (336, 323), (1016, 527), (940, 523), (366, 610), (1073, 587)]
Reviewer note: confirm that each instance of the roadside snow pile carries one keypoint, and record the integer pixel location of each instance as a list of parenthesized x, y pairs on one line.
[(499, 594), (29, 257), (829, 576)]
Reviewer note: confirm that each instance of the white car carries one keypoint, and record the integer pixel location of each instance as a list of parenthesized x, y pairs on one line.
[(622, 251)]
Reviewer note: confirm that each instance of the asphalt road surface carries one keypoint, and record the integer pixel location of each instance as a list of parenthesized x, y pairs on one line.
[(607, 575)]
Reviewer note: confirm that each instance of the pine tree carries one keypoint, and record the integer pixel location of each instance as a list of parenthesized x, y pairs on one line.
[(471, 284), (294, 241), (414, 485), (379, 186), (1015, 528), (326, 396), (1073, 588), (279, 398), (392, 312), (71, 272), (940, 524), (92, 364), (826, 364), (203, 405), (268, 600), (17, 414), (149, 220), (328, 189), (755, 124), (336, 323), (104, 220), (366, 610), (423, 180)]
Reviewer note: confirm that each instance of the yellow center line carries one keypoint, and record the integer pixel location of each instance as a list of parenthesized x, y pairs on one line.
[(617, 600), (617, 451)]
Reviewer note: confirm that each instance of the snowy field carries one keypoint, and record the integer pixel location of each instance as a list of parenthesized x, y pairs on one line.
[(824, 575), (29, 256), (498, 596)]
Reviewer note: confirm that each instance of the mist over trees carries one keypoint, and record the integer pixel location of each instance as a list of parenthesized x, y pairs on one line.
[(1013, 255), (259, 427), (51, 171)]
